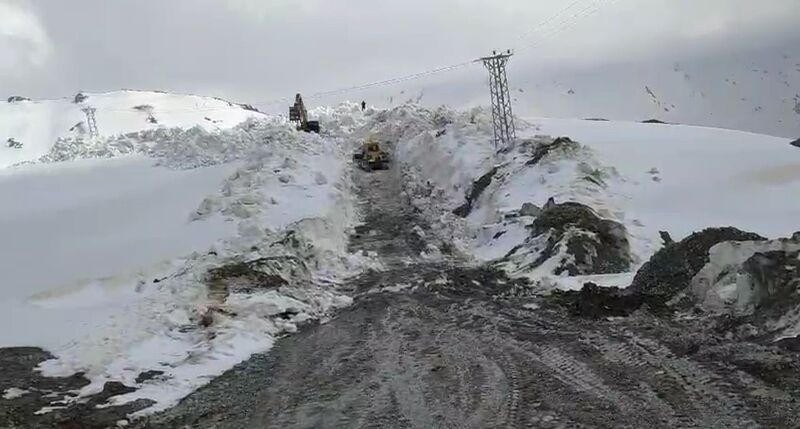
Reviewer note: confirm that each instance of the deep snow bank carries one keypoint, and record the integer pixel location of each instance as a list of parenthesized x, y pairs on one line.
[(132, 235), (36, 125), (644, 177), (757, 281)]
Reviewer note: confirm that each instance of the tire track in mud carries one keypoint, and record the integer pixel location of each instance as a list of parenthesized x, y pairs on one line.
[(695, 388), (441, 344)]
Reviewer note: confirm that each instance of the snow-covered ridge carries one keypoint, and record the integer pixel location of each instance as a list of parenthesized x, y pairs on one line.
[(132, 224), (645, 177), (36, 125)]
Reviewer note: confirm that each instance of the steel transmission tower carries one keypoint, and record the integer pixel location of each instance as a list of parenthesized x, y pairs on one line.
[(502, 117), (91, 121)]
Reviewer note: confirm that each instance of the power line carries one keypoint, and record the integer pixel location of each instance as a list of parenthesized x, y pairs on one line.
[(567, 23), (547, 21), (544, 28)]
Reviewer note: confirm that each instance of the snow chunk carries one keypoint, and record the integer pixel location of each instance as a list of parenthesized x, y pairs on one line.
[(14, 393)]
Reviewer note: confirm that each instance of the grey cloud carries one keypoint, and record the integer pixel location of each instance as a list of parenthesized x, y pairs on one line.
[(255, 51)]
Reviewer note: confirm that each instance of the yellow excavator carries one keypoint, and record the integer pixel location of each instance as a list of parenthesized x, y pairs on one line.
[(298, 113), (371, 156)]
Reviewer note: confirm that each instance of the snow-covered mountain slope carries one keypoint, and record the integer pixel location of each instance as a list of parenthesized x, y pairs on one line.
[(37, 124), (646, 177), (108, 247)]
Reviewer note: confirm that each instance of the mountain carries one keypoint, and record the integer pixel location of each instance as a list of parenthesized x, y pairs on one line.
[(30, 128)]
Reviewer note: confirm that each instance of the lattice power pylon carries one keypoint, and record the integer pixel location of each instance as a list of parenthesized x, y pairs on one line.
[(502, 117), (91, 122)]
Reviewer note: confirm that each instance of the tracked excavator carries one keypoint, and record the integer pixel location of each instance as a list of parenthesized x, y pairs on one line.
[(298, 114)]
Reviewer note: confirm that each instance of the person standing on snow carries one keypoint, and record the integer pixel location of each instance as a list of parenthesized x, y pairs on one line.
[(363, 106)]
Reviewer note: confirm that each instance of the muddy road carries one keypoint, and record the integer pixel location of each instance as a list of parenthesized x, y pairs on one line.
[(441, 343)]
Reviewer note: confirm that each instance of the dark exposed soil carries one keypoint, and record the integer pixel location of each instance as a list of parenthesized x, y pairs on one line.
[(595, 245), (670, 270), (17, 370), (474, 193), (542, 150)]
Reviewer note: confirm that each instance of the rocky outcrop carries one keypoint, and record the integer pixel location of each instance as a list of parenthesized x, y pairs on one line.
[(474, 193), (672, 268), (80, 98), (17, 99), (541, 150), (571, 238), (596, 302), (594, 245), (774, 280)]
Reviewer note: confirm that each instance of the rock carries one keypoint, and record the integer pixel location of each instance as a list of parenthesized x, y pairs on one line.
[(17, 99), (583, 242), (653, 121), (475, 192), (560, 144), (775, 279), (529, 209), (551, 202), (595, 301), (795, 143), (148, 375), (666, 239), (596, 245), (80, 98), (670, 270), (256, 275), (14, 144)]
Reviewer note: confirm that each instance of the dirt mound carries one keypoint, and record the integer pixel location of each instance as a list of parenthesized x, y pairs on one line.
[(597, 302), (671, 269), (596, 245), (571, 238), (259, 274)]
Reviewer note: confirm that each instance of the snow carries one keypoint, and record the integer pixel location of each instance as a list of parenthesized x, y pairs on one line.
[(722, 281), (13, 393), (648, 177), (38, 124), (108, 241), (708, 176), (88, 219)]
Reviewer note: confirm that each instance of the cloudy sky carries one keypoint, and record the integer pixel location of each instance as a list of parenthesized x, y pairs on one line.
[(573, 57)]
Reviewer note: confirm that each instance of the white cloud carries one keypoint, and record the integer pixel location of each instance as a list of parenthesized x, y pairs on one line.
[(24, 43)]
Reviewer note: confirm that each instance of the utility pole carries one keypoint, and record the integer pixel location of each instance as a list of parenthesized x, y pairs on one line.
[(502, 117), (91, 121)]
